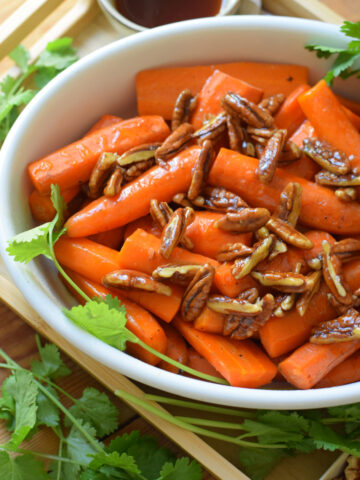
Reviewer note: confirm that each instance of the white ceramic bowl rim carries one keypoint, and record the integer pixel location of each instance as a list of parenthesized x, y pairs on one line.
[(49, 308)]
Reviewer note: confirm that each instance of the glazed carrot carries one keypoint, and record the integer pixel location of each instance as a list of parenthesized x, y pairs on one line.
[(305, 167), (354, 119), (280, 335), (73, 164), (145, 223), (311, 362), (215, 87), (141, 252), (93, 261), (133, 201), (209, 321), (290, 115), (199, 363), (351, 272), (350, 104), (317, 237), (139, 321), (347, 371), (41, 206), (104, 121), (331, 123), (110, 238), (320, 209), (158, 89), (284, 262), (241, 362), (176, 349)]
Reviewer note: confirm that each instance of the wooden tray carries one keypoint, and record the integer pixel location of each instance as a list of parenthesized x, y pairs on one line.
[(34, 23)]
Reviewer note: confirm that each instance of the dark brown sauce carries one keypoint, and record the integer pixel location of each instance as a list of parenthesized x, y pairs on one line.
[(152, 13)]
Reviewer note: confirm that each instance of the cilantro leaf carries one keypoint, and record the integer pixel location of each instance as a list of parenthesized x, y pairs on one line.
[(21, 56), (7, 403), (257, 463), (323, 51), (30, 244), (114, 459), (182, 468), (51, 364), (105, 323), (47, 413), (24, 467), (326, 438), (24, 391), (58, 55), (77, 446), (114, 302), (96, 409), (351, 29), (149, 457)]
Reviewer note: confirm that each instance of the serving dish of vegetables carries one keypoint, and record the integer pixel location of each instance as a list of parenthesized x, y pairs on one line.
[(214, 234)]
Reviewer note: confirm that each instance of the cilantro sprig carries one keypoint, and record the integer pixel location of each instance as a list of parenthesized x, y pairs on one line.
[(30, 400), (347, 59), (105, 318), (15, 92)]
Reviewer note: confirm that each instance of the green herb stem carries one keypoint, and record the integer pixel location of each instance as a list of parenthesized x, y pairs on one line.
[(40, 454), (210, 423)]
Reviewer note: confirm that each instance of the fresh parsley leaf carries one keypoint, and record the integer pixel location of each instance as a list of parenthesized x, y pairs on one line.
[(24, 391), (96, 409), (30, 244), (24, 467), (51, 364), (21, 57), (326, 438), (105, 323), (113, 302), (257, 463), (114, 459), (351, 29), (149, 457), (182, 469), (77, 446), (47, 413)]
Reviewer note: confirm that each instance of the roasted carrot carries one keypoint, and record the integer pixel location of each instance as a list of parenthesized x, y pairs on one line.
[(290, 115), (352, 274), (209, 321), (280, 335), (41, 206), (331, 123), (320, 209), (158, 89), (110, 238), (241, 362), (104, 121), (93, 261), (139, 321), (225, 282), (145, 223), (305, 167), (317, 237), (347, 371), (350, 104), (176, 349), (354, 119), (215, 87), (199, 363), (133, 201), (311, 362), (284, 262), (73, 164)]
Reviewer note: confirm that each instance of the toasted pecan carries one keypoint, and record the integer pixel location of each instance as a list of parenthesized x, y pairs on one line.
[(332, 180), (289, 206), (244, 266), (174, 230), (201, 169), (272, 103), (231, 251), (346, 194), (220, 200), (246, 220), (101, 173), (312, 286), (332, 272), (197, 293), (183, 108), (180, 274), (140, 153), (330, 159), (137, 169), (248, 111), (160, 212), (341, 329), (113, 185), (131, 279), (227, 305), (211, 129), (287, 282), (289, 234), (174, 142), (290, 153), (270, 156)]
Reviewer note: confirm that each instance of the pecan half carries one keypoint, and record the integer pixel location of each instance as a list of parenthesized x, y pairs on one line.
[(244, 266), (272, 103), (249, 325), (247, 220), (346, 194), (312, 286), (347, 249), (235, 133), (160, 212), (290, 153), (333, 180), (181, 199), (138, 169), (174, 142), (248, 111), (231, 322), (113, 185), (314, 263), (201, 169), (270, 156), (340, 329), (101, 172), (220, 200), (278, 247), (131, 279), (286, 302), (211, 129), (180, 274), (289, 205), (227, 305), (231, 251), (332, 160), (175, 229), (137, 154), (265, 133), (183, 108), (196, 295), (289, 234), (332, 272), (287, 282), (258, 150)]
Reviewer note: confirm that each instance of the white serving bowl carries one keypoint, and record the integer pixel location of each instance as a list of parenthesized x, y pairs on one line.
[(104, 82)]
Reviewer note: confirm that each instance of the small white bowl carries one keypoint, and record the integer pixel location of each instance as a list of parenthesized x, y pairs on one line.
[(126, 27), (104, 82)]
